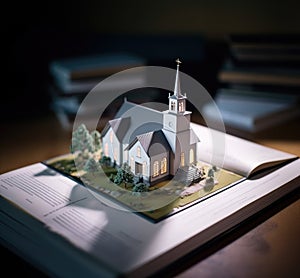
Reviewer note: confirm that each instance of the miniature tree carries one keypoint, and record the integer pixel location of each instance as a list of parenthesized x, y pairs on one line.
[(211, 173), (140, 187), (119, 177), (82, 140), (210, 180), (124, 175), (91, 166), (215, 168), (105, 160), (96, 137), (128, 174)]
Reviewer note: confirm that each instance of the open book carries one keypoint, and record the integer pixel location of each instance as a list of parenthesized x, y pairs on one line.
[(241, 156), (66, 229)]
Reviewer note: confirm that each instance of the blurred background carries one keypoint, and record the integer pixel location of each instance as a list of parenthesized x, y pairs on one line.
[(159, 31), (245, 53)]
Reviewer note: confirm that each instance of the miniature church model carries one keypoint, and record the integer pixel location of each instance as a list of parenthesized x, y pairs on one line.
[(159, 147)]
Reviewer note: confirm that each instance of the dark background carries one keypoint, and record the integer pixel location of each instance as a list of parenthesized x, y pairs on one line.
[(33, 34)]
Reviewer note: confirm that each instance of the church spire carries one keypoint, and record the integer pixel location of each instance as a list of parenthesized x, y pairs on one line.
[(177, 89), (177, 100)]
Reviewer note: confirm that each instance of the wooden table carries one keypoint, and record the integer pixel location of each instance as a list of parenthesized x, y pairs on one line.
[(267, 245)]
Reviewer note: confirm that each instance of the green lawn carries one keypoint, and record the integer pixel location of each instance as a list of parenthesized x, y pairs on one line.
[(159, 201)]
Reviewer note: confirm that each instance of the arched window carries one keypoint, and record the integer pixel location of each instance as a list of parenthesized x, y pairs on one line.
[(144, 168), (116, 154), (106, 149), (180, 106), (163, 166), (192, 156), (138, 151), (182, 159), (111, 136), (155, 169)]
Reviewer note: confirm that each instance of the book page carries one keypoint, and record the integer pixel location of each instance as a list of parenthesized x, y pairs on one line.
[(124, 240), (240, 156), (70, 210)]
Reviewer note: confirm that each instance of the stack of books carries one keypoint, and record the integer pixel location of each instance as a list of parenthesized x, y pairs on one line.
[(73, 78), (259, 82)]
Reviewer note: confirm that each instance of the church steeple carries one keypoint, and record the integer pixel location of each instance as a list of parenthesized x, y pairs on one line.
[(176, 127), (177, 100), (177, 89)]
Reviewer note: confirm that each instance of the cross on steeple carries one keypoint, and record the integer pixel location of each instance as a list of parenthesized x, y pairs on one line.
[(177, 89)]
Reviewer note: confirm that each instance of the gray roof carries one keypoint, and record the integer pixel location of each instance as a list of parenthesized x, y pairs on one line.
[(153, 142), (142, 120), (136, 122), (127, 105), (178, 97), (119, 126)]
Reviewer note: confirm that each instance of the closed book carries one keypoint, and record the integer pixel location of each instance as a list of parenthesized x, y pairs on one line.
[(93, 66), (253, 111), (267, 75)]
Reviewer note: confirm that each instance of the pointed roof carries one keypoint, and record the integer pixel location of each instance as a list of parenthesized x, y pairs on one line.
[(126, 105), (119, 126), (127, 123), (145, 140), (149, 139), (177, 89)]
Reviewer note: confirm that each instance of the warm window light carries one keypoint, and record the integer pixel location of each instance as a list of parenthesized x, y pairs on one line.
[(163, 168), (182, 159), (180, 108), (115, 154), (111, 136), (192, 159), (155, 169), (106, 149)]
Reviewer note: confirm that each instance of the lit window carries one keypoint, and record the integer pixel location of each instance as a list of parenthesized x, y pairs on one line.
[(138, 151), (163, 166), (182, 159), (180, 106), (144, 168), (111, 136), (115, 154), (192, 158), (155, 169), (106, 149)]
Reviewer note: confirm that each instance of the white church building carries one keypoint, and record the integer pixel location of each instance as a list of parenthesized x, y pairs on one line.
[(160, 146)]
